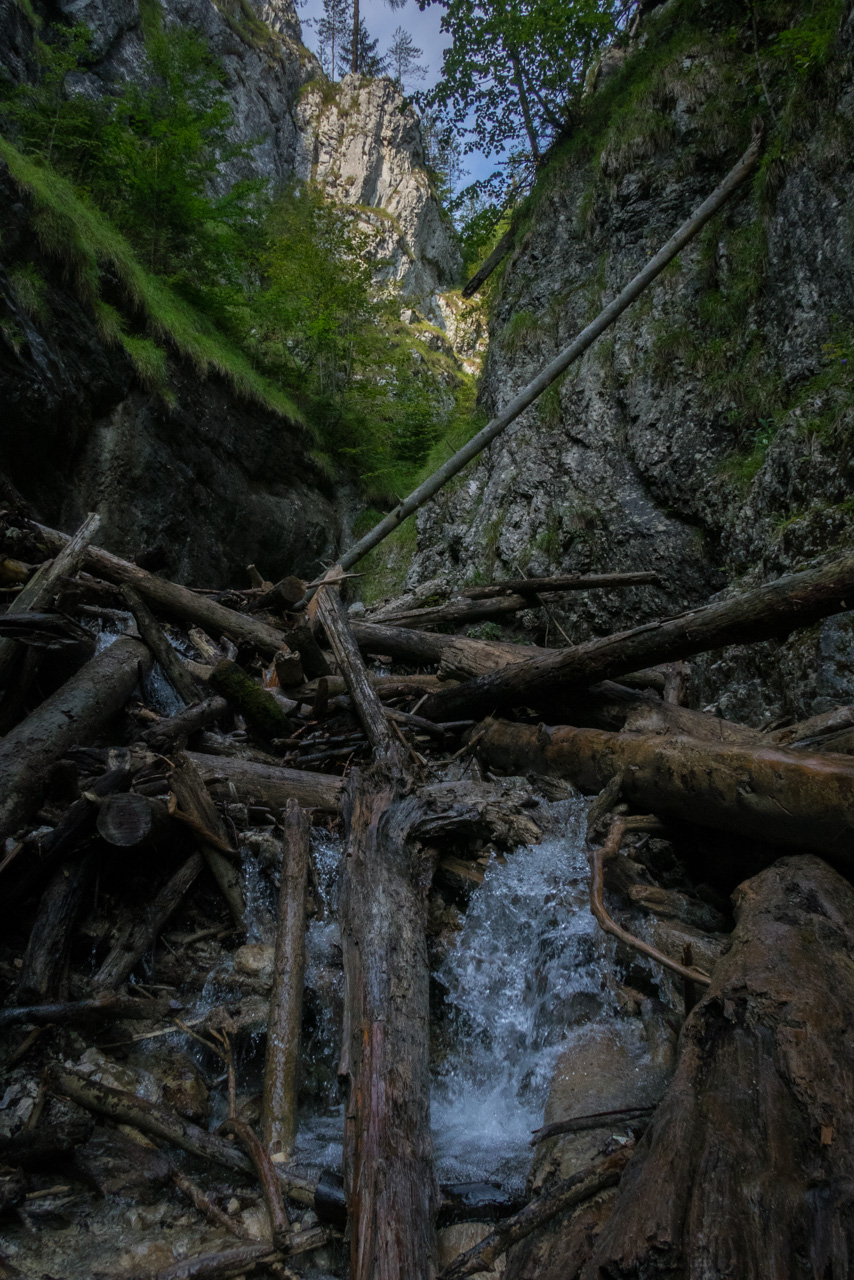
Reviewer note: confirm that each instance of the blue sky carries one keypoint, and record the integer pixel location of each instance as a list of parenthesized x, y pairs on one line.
[(423, 26)]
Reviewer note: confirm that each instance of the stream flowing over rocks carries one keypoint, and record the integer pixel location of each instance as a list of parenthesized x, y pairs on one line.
[(305, 974)]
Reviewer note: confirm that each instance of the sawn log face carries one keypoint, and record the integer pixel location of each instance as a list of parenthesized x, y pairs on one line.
[(387, 1145)]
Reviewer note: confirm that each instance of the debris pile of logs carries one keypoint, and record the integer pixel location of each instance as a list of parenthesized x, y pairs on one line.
[(280, 721)]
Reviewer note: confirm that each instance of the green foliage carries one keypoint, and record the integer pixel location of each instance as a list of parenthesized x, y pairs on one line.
[(29, 288)]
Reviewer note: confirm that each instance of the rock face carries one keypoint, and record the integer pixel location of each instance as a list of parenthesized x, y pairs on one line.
[(707, 436), (362, 142)]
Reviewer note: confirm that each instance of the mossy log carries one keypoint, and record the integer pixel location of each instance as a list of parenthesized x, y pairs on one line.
[(259, 708)]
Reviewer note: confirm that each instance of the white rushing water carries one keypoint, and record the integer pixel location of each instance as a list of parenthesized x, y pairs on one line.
[(527, 971)]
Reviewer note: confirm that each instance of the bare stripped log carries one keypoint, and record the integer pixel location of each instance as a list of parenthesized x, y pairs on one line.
[(105, 1005), (485, 270), (174, 600), (228, 778), (264, 1168), (71, 715), (163, 1122), (561, 582), (564, 1195), (456, 654), (797, 600), (653, 268), (767, 793), (38, 592), (130, 950), (279, 1103), (152, 633), (596, 1120), (130, 820), (202, 815), (46, 956), (333, 616)]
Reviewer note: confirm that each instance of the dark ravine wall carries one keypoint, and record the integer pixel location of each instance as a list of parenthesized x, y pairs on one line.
[(708, 435)]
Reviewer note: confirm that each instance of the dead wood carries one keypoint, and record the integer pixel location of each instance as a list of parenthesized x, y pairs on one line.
[(71, 715), (774, 609), (129, 820), (228, 778), (140, 938), (288, 668), (206, 1206), (810, 732), (753, 1138), (175, 601), (46, 957), (219, 1265), (301, 638), (201, 814), (183, 725), (259, 1155), (485, 270), (163, 1122), (596, 1120), (38, 593), (767, 793), (262, 713), (105, 1005), (562, 582), (279, 1104), (564, 1195), (598, 858), (153, 635), (51, 631)]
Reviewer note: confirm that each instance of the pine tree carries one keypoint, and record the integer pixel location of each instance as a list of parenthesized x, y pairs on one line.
[(403, 54), (332, 34), (369, 62)]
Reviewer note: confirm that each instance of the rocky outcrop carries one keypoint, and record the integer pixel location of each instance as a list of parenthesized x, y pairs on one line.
[(708, 435), (362, 142)]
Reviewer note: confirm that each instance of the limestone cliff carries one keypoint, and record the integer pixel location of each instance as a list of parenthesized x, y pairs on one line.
[(708, 435)]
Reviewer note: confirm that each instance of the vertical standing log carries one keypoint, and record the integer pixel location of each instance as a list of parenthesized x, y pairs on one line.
[(279, 1109), (388, 1154)]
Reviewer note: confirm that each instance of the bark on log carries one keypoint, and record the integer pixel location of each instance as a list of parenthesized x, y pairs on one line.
[(387, 1146), (198, 807), (770, 794), (263, 782), (485, 270), (174, 600), (130, 820), (457, 655), (47, 952), (746, 1167), (279, 1103), (38, 592), (130, 950), (775, 609), (561, 582), (105, 1005), (153, 635), (71, 715), (333, 616)]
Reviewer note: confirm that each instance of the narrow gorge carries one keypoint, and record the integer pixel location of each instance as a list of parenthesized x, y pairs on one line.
[(472, 897)]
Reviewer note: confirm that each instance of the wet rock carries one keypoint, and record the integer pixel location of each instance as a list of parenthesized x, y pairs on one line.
[(255, 960)]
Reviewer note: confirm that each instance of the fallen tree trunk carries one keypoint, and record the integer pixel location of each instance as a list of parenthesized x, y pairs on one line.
[(70, 716), (174, 600), (279, 1103), (454, 653), (46, 956), (561, 582), (745, 1169), (797, 600), (767, 793), (129, 820), (198, 810), (228, 778), (153, 635)]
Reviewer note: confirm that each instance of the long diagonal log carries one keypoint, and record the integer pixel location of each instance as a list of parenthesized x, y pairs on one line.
[(38, 592), (279, 1102), (796, 600), (766, 793), (68, 717), (200, 811), (552, 371), (153, 635)]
